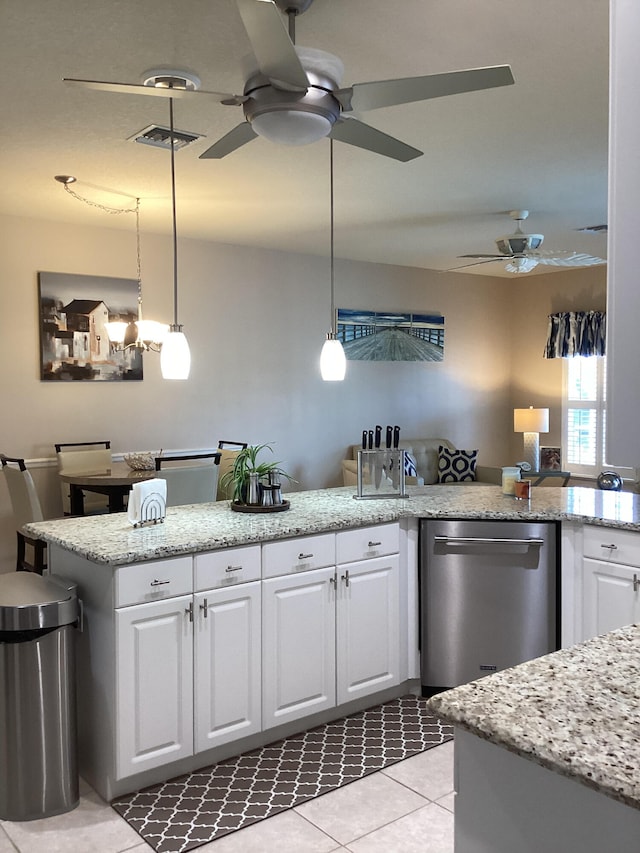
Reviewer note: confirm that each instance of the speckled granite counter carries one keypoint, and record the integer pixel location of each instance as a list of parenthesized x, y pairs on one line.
[(576, 712), (204, 527)]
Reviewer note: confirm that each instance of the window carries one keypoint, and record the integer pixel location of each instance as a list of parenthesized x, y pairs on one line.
[(584, 417)]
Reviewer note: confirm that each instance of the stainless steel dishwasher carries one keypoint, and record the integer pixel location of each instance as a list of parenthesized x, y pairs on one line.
[(488, 598)]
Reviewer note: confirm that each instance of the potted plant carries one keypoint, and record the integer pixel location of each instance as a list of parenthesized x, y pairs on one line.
[(246, 467)]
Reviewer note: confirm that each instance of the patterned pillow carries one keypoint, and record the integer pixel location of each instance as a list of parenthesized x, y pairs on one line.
[(456, 466), (410, 469)]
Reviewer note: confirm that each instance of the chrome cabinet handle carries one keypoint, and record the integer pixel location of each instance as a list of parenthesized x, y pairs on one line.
[(205, 608), (374, 544), (189, 611), (479, 540), (333, 581), (636, 583), (156, 582), (233, 569), (611, 547), (305, 556), (345, 577)]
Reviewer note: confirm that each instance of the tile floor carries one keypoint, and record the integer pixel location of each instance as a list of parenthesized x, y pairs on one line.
[(407, 807)]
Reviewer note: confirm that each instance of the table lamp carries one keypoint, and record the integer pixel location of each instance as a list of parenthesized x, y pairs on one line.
[(531, 422)]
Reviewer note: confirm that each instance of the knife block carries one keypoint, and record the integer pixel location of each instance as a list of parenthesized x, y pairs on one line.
[(380, 474)]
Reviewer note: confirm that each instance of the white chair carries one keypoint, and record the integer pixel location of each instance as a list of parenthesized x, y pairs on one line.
[(26, 508), (192, 483), (90, 457), (228, 452)]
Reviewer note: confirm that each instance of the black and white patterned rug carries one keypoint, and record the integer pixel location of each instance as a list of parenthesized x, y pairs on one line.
[(191, 810)]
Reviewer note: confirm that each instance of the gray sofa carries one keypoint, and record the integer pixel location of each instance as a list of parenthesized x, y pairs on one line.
[(425, 453)]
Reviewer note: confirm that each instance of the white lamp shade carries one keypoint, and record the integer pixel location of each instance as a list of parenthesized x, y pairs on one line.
[(152, 331), (291, 127), (531, 420), (116, 331), (175, 356), (333, 362)]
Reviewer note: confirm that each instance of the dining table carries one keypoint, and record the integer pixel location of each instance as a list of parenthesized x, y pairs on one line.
[(115, 482)]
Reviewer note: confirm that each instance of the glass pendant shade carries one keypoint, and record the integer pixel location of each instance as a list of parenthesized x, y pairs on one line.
[(116, 332), (175, 356), (333, 362)]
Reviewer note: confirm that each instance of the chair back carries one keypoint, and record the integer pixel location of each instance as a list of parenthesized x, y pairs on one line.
[(91, 457), (22, 491), (193, 483), (228, 452)]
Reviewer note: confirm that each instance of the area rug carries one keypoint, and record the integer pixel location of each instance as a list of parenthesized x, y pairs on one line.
[(199, 807)]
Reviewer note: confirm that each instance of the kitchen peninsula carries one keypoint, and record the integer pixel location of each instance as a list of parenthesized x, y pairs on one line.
[(218, 631)]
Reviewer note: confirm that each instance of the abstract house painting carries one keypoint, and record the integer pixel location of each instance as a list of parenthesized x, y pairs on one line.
[(74, 344), (389, 336)]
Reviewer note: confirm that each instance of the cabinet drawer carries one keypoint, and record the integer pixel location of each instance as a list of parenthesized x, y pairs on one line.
[(366, 542), (142, 582), (288, 556), (224, 568), (613, 546)]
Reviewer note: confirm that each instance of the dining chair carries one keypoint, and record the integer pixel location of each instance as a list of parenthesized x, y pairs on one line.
[(84, 457), (26, 508), (228, 452), (192, 483)]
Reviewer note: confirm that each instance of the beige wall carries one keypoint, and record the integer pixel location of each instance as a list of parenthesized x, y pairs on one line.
[(256, 321)]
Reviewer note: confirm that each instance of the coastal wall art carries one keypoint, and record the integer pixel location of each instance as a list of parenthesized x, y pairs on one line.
[(74, 310), (390, 335)]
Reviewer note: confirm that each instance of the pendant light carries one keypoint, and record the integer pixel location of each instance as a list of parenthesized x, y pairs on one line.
[(175, 356), (333, 362)]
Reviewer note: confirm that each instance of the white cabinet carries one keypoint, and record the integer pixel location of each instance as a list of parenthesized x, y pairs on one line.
[(330, 635), (154, 684), (611, 582)]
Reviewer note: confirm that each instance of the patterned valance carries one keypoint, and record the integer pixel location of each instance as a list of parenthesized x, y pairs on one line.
[(576, 333)]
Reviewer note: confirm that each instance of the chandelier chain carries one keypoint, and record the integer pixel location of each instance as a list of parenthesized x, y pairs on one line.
[(103, 207)]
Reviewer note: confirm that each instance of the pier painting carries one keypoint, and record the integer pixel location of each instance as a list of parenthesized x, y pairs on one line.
[(390, 336)]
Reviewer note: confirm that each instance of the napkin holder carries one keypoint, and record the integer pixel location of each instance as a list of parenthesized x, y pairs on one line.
[(380, 474), (147, 502)]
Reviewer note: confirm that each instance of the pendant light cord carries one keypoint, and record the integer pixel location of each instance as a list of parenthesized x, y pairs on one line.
[(174, 221), (333, 319)]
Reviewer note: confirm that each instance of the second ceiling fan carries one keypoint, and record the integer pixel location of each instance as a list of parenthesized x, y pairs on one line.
[(292, 95)]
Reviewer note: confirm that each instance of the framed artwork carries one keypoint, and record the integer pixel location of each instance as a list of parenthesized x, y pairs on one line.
[(550, 459), (390, 336), (74, 345)]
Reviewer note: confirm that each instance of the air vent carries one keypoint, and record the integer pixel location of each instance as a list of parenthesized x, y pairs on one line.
[(160, 137)]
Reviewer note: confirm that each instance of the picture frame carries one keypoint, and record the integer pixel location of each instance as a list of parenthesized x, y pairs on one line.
[(550, 458), (390, 335), (73, 312)]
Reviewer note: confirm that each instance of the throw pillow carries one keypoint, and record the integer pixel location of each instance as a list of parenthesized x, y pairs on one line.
[(456, 466), (410, 469)]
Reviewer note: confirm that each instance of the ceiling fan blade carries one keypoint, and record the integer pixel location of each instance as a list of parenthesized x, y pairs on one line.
[(272, 47), (357, 133), (154, 91), (575, 260), (490, 257), (236, 138), (488, 260), (388, 93)]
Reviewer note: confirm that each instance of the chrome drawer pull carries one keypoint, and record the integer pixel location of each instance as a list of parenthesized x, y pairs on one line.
[(189, 611), (333, 581), (233, 569), (611, 547), (345, 577), (636, 583), (374, 544), (205, 607), (480, 540), (305, 556), (156, 582)]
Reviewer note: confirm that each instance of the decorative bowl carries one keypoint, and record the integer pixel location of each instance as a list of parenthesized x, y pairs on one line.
[(141, 460)]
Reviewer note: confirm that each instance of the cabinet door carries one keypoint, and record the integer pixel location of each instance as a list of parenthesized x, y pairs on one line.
[(298, 655), (227, 665), (154, 684), (368, 627), (611, 597)]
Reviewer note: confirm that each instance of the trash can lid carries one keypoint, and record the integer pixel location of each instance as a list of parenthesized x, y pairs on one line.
[(29, 601)]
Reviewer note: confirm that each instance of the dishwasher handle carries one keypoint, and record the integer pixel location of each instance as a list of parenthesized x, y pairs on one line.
[(482, 540)]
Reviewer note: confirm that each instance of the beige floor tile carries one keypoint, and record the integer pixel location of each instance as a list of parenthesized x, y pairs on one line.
[(287, 832), (430, 773), (360, 807), (448, 802), (428, 830), (5, 845), (92, 827)]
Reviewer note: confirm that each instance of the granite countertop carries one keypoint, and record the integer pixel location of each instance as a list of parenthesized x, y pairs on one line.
[(576, 712), (204, 527)]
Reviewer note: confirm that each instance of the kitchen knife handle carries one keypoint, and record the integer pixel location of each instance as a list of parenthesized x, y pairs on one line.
[(378, 436), (364, 439), (370, 439), (396, 437), (389, 437)]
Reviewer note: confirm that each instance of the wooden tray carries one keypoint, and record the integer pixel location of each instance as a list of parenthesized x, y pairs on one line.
[(238, 507)]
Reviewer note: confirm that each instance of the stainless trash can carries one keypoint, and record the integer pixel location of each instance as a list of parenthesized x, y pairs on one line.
[(38, 764)]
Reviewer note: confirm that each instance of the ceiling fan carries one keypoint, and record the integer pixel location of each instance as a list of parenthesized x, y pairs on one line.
[(293, 95), (522, 252)]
